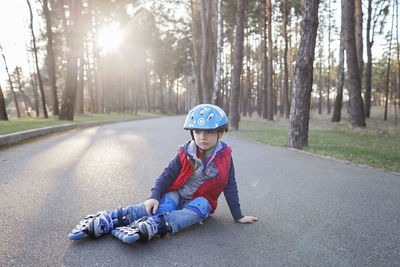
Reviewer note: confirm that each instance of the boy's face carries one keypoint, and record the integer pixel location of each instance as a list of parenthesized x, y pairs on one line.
[(206, 139)]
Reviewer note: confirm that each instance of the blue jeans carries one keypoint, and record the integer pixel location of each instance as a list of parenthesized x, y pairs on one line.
[(180, 218)]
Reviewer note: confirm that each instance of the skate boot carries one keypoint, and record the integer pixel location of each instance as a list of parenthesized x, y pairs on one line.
[(96, 225), (144, 229)]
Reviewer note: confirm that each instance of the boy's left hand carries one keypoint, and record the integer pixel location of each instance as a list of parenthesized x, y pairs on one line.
[(247, 219)]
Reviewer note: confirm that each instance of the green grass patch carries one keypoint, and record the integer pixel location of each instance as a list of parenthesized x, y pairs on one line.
[(372, 146), (365, 147), (276, 135), (17, 125)]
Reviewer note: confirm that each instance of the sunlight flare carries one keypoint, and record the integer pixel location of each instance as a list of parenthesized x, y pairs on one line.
[(110, 38)]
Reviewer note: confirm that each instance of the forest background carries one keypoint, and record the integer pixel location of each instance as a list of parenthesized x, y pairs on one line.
[(272, 60)]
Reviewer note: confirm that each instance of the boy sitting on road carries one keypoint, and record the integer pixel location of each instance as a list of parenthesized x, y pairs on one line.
[(185, 193)]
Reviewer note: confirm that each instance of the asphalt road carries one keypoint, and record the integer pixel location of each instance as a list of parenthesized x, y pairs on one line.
[(312, 211)]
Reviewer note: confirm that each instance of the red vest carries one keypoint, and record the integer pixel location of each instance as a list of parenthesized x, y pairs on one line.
[(212, 188)]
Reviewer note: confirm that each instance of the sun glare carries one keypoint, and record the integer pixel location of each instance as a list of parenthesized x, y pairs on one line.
[(110, 38)]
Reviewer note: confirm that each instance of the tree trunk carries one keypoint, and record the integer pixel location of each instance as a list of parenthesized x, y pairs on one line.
[(205, 67), (37, 64), (320, 85), (388, 68), (328, 101), (398, 56), (195, 67), (234, 112), (34, 88), (177, 105), (358, 36), (280, 82), (73, 40), (217, 79), (90, 84), (137, 85), (80, 87), (11, 85), (368, 76), (356, 107), (3, 111), (92, 62), (162, 93), (246, 82), (22, 91), (303, 77), (285, 63), (35, 94), (270, 92), (246, 93), (263, 63), (98, 64), (170, 85), (146, 86), (339, 96), (51, 60)]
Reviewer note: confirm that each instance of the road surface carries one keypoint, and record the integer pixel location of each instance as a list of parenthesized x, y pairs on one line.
[(312, 211)]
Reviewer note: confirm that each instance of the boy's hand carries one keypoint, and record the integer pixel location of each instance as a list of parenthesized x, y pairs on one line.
[(151, 205), (247, 219)]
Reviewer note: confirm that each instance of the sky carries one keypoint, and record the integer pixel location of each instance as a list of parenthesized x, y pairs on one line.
[(15, 34)]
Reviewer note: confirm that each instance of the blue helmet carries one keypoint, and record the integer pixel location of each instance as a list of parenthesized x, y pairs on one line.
[(206, 117)]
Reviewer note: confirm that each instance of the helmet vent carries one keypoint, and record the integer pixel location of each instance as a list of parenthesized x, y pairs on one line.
[(202, 113), (211, 116)]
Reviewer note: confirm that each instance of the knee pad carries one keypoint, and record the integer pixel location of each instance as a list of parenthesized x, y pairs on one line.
[(201, 206), (167, 204)]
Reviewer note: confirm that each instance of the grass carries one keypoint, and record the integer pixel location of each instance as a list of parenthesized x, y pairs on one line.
[(377, 145), (22, 124)]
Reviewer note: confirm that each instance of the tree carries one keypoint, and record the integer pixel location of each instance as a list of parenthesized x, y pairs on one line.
[(270, 94), (388, 67), (285, 63), (303, 77), (73, 40), (17, 73), (39, 77), (195, 58), (206, 48), (50, 57), (358, 16), (340, 77), (234, 112), (398, 59), (261, 103), (356, 107), (368, 77), (217, 79), (329, 57), (320, 55), (10, 83), (3, 111), (33, 82), (379, 12)]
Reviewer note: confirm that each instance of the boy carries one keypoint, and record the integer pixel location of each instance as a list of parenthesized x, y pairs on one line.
[(185, 193)]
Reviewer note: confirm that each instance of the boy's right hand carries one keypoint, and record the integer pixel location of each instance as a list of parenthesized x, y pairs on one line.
[(151, 205)]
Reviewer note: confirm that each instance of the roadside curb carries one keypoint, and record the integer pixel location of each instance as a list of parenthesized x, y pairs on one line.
[(14, 138)]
